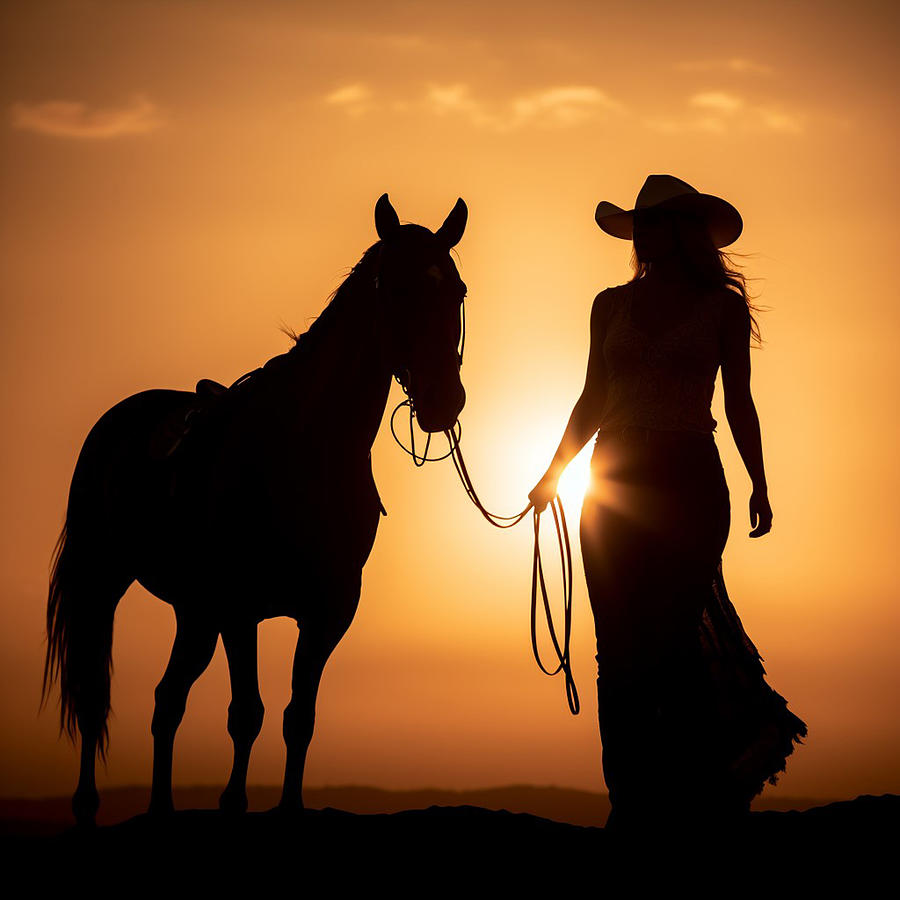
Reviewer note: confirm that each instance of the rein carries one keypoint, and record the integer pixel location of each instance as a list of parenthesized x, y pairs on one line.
[(562, 651)]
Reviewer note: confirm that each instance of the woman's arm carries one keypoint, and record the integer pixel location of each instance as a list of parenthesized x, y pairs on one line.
[(740, 409), (586, 413)]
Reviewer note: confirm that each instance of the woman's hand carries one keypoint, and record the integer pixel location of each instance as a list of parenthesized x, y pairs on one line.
[(543, 492), (760, 513)]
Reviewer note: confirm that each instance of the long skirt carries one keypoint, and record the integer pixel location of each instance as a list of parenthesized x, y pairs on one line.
[(690, 730)]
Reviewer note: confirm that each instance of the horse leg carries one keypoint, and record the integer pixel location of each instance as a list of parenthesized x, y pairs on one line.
[(195, 644), (245, 712), (86, 799), (315, 645)]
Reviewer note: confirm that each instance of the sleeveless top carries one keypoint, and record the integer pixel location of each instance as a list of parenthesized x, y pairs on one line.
[(663, 382)]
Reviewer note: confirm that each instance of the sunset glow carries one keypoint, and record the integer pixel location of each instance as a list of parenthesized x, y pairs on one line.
[(183, 179)]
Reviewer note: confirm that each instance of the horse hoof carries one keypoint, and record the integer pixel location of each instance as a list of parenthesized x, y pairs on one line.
[(161, 808), (84, 807), (292, 807)]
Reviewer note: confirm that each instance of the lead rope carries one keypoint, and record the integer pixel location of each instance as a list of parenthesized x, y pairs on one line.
[(563, 653)]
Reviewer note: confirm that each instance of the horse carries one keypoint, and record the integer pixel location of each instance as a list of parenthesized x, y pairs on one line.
[(241, 504)]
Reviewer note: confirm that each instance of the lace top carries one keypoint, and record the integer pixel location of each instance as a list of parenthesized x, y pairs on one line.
[(664, 381)]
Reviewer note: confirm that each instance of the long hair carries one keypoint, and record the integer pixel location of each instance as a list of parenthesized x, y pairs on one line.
[(79, 641), (705, 263)]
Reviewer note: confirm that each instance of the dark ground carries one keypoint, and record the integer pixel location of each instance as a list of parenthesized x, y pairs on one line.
[(450, 849), (53, 815)]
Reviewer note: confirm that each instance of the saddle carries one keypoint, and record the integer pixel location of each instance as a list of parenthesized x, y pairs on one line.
[(208, 404), (208, 399)]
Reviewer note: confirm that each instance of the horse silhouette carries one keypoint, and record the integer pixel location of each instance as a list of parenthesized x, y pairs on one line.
[(238, 505)]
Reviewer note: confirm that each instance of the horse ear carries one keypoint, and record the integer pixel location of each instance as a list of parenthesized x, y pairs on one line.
[(386, 218), (454, 225)]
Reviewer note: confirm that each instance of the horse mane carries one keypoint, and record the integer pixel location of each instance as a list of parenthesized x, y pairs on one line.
[(344, 296)]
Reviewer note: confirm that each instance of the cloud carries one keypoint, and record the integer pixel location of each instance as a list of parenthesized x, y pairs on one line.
[(72, 119), (778, 120), (734, 64), (456, 99), (554, 107), (354, 99), (721, 117), (721, 112), (563, 105), (351, 93), (720, 101), (714, 111)]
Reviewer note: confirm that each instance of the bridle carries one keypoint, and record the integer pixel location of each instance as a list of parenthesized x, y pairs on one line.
[(453, 436)]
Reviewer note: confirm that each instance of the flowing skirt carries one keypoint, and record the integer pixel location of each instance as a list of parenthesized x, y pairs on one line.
[(690, 729)]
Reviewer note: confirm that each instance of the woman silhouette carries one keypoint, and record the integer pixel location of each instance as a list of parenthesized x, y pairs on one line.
[(690, 729)]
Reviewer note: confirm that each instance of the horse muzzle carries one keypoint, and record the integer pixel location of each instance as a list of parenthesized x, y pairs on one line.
[(438, 406)]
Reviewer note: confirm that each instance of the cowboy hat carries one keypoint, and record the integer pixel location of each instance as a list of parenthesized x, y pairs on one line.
[(668, 192)]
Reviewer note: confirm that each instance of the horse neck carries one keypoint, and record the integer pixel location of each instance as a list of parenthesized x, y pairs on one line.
[(340, 377)]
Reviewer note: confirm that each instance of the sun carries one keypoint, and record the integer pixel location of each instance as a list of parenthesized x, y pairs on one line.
[(574, 482)]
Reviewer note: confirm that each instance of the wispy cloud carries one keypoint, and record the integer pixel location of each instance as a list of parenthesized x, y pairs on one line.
[(720, 101), (714, 111), (72, 119), (779, 120), (721, 112), (552, 107), (563, 105), (734, 64), (354, 99), (457, 99)]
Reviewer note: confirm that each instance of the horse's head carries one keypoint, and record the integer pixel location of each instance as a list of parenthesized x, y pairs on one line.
[(420, 294)]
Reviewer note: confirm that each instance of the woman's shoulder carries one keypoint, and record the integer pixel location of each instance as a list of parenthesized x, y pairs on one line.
[(604, 304), (611, 295), (615, 289)]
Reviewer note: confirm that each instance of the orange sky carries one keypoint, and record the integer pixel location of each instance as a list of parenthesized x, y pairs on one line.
[(179, 179)]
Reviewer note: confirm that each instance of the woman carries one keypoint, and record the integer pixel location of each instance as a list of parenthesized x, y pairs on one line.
[(690, 730)]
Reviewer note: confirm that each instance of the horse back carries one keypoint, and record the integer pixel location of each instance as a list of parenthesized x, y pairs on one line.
[(124, 446)]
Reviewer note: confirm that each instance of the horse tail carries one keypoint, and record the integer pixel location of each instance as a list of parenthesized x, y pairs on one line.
[(93, 562), (79, 642)]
